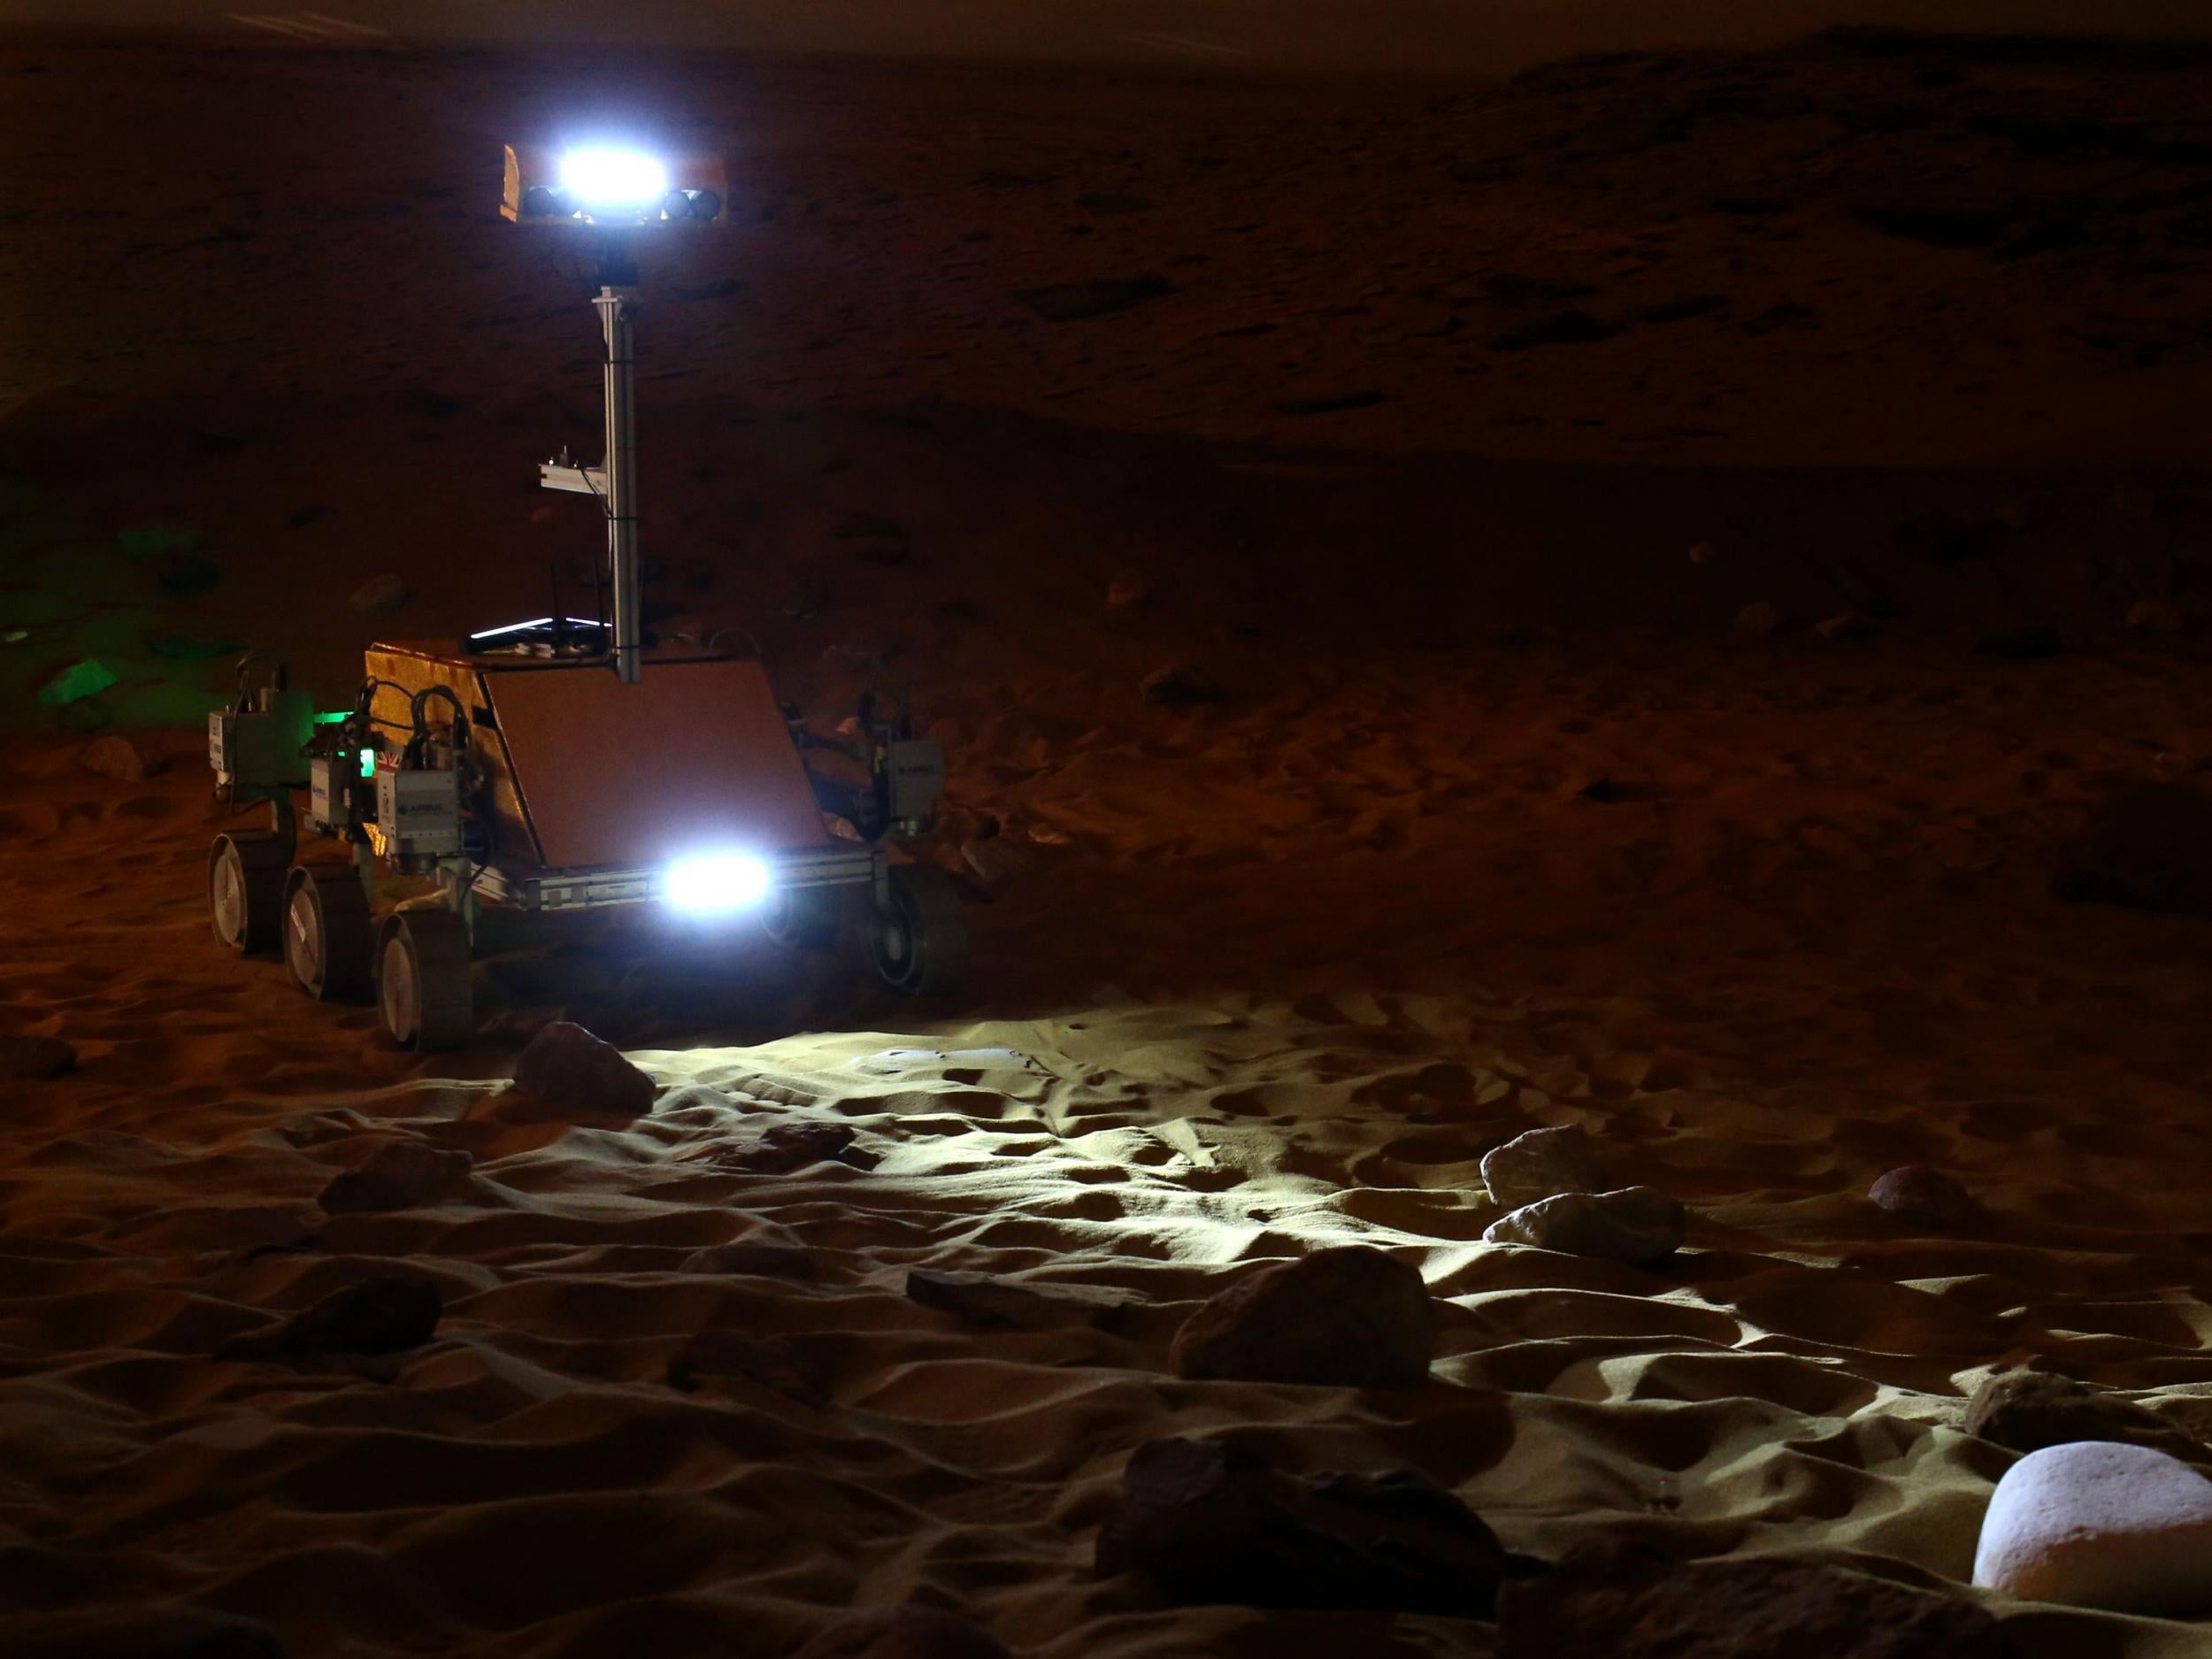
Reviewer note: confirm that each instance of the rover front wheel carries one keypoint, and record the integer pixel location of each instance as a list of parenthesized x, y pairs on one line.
[(328, 938), (245, 890), (921, 939), (796, 918), (423, 997)]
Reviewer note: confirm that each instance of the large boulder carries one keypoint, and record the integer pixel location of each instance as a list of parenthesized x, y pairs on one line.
[(567, 1068), (398, 1175), (1204, 1521), (386, 1315), (903, 1632), (1925, 1198), (1636, 1225), (1623, 1601), (2096, 1524), (1347, 1318), (1543, 1163), (2028, 1410)]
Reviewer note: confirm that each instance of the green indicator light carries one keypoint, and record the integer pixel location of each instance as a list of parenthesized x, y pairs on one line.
[(329, 720), (368, 763)]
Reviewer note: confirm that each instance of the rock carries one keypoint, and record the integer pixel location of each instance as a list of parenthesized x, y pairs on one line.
[(2029, 1410), (789, 1147), (1848, 624), (1179, 688), (1760, 617), (398, 1175), (767, 1363), (1926, 1197), (386, 1315), (1074, 301), (36, 1059), (116, 757), (2155, 616), (1573, 327), (1617, 1600), (996, 1304), (1207, 1522), (1543, 1163), (755, 1257), (1127, 589), (2096, 1524), (566, 1067), (903, 1632), (999, 860), (75, 683), (1349, 1316), (2149, 848), (2034, 643), (380, 596), (1636, 1225)]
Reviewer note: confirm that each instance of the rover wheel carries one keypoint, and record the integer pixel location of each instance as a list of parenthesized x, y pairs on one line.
[(328, 938), (805, 917), (245, 890), (921, 939), (423, 996)]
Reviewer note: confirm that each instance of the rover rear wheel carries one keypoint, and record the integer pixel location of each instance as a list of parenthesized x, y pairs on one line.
[(329, 937), (245, 890), (423, 997), (805, 917), (920, 938)]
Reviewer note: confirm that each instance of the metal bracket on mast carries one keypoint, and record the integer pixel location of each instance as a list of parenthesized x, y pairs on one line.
[(614, 481)]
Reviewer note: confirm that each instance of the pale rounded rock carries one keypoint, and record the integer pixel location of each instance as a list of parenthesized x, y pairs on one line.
[(2094, 1524), (1636, 1225), (1543, 1163)]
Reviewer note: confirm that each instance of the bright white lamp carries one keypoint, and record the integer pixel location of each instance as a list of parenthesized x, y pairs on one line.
[(610, 180), (714, 883)]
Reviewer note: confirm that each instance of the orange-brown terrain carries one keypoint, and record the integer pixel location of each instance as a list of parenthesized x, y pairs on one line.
[(1684, 544)]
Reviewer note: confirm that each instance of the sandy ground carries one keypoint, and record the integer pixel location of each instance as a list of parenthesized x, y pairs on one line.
[(1252, 977)]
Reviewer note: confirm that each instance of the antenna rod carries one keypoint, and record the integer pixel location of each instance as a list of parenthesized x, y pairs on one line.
[(621, 468)]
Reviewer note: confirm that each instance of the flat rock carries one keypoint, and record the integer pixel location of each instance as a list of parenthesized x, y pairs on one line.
[(1179, 686), (768, 1363), (1543, 1163), (1621, 1601), (386, 1315), (36, 1059), (758, 1257), (567, 1068), (398, 1175), (116, 757), (380, 596), (787, 1147), (1636, 1225), (2097, 1525), (2029, 1410), (1350, 1317), (1204, 1521), (1926, 1197), (903, 1632), (1073, 302), (998, 1304)]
